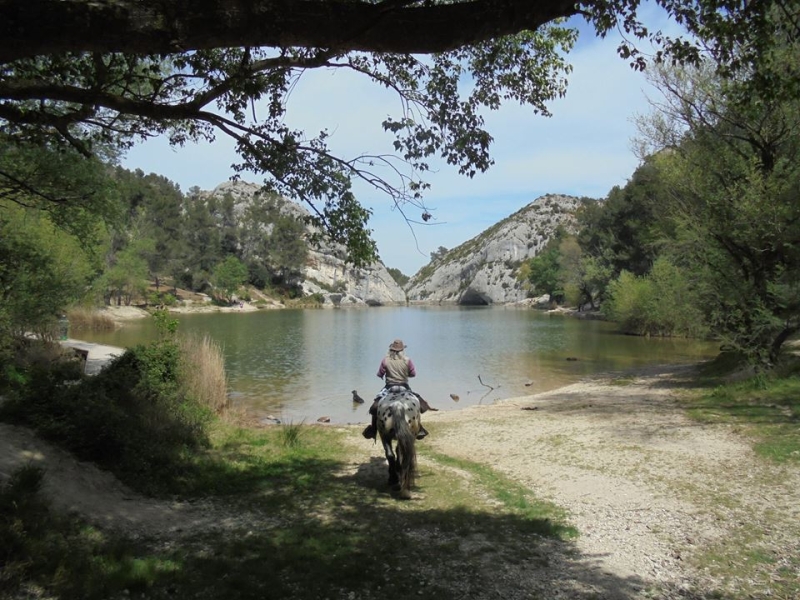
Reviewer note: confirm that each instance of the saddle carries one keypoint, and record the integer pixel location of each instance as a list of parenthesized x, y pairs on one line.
[(399, 389)]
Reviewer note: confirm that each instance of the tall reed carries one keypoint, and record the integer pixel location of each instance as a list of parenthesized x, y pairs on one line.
[(87, 319), (203, 372)]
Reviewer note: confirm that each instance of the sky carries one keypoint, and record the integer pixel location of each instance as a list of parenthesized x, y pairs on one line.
[(584, 149)]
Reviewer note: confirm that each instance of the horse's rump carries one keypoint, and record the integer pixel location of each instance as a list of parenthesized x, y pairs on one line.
[(397, 408)]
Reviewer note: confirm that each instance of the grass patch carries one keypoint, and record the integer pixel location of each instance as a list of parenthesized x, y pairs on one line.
[(766, 409), (544, 518), (757, 569), (258, 465), (291, 434), (342, 534)]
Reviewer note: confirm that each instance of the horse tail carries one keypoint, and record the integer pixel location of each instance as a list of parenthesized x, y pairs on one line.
[(406, 447)]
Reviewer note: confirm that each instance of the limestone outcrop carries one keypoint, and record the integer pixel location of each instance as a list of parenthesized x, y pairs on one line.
[(372, 285), (325, 272), (483, 270)]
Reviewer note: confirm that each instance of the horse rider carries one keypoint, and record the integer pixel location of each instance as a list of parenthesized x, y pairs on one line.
[(396, 368)]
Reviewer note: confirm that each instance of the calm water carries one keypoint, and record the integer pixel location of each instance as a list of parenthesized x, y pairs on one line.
[(302, 364)]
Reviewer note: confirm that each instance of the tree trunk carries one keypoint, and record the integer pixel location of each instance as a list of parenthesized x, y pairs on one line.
[(777, 343)]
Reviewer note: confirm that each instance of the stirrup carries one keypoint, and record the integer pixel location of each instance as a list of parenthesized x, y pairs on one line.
[(422, 433), (369, 432)]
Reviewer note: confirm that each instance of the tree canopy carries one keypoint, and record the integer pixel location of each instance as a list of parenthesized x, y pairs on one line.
[(81, 75), (705, 234), (731, 161)]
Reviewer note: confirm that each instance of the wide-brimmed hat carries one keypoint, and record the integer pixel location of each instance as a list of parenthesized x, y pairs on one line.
[(397, 346)]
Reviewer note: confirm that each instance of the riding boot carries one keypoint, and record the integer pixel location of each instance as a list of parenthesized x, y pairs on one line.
[(422, 432), (371, 430)]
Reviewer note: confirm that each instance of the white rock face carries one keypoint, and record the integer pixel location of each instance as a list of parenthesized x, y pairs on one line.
[(483, 270), (240, 191), (370, 285), (325, 269)]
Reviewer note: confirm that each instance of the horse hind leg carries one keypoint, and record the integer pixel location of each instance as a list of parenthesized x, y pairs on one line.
[(394, 475), (406, 460), (404, 482), (406, 466)]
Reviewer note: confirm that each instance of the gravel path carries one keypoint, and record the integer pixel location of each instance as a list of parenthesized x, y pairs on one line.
[(646, 487)]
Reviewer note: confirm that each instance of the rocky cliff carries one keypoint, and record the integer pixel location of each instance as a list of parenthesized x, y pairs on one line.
[(482, 270), (325, 271), (371, 285)]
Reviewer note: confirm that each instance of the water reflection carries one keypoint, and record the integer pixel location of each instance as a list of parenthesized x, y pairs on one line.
[(302, 364)]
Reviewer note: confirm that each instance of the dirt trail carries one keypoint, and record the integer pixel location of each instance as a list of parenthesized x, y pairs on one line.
[(645, 486), (97, 495)]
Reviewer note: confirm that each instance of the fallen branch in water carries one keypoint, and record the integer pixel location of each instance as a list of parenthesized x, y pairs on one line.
[(484, 384)]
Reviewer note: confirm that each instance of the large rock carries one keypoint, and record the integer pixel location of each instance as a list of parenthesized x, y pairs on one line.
[(325, 271), (483, 270)]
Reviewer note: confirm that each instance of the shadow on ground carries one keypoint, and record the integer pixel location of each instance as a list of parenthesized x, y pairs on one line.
[(351, 538)]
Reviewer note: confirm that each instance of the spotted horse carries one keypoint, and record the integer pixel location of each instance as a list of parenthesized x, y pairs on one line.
[(399, 421)]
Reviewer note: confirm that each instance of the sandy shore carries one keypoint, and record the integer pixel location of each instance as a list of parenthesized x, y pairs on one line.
[(127, 313)]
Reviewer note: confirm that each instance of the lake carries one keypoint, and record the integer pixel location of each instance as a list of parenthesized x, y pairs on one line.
[(298, 365)]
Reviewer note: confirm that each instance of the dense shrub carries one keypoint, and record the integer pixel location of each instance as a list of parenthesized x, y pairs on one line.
[(42, 269), (133, 419), (630, 303), (662, 303), (161, 299)]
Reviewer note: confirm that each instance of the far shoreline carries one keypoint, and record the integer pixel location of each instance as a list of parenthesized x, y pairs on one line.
[(122, 314)]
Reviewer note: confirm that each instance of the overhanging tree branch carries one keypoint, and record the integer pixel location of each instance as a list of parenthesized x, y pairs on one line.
[(39, 27), (104, 73)]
